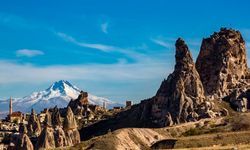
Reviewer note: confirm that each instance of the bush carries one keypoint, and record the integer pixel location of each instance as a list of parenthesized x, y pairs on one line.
[(193, 131)]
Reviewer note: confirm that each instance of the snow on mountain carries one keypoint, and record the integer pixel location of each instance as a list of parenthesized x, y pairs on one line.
[(59, 93)]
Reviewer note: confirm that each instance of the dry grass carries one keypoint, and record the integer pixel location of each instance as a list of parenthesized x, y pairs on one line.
[(218, 147), (208, 140)]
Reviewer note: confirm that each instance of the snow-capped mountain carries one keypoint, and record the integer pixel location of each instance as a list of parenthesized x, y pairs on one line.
[(59, 93)]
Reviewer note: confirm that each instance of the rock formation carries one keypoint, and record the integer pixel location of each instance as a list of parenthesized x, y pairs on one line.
[(46, 140), (22, 141), (222, 65), (180, 98), (239, 98), (60, 138), (80, 104), (80, 101), (48, 120), (34, 127), (70, 121), (53, 135), (222, 62), (70, 128), (56, 117)]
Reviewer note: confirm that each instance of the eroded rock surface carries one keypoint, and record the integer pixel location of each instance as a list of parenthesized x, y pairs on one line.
[(181, 97), (60, 138), (46, 140), (70, 128), (222, 63), (78, 104), (34, 127), (53, 135), (21, 141), (56, 118)]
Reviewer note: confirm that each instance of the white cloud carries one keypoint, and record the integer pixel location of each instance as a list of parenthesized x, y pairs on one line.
[(28, 53), (104, 27), (162, 43), (15, 73), (103, 47)]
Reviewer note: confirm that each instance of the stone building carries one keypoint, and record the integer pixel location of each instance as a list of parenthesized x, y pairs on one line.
[(14, 116)]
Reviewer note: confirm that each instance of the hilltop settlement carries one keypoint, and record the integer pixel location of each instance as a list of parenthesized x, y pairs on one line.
[(202, 95)]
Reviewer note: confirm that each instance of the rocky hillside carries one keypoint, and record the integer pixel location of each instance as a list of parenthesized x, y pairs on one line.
[(192, 90)]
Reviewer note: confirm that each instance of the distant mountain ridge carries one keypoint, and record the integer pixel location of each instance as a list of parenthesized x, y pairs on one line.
[(59, 93)]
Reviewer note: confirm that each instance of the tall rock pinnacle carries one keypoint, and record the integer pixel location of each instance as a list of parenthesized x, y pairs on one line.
[(181, 95), (222, 62), (70, 121), (34, 127), (70, 128), (46, 140)]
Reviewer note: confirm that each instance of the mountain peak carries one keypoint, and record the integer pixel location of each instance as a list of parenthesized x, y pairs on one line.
[(62, 86), (58, 94)]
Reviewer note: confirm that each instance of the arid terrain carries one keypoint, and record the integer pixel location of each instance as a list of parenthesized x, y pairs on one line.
[(218, 133)]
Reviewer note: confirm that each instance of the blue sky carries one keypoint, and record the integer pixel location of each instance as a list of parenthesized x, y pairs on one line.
[(115, 49)]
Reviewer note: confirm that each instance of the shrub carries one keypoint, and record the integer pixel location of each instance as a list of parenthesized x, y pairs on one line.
[(193, 131)]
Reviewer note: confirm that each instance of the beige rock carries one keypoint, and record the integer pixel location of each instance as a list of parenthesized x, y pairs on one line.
[(70, 121), (224, 112), (34, 127), (70, 128), (72, 136), (46, 140), (60, 138)]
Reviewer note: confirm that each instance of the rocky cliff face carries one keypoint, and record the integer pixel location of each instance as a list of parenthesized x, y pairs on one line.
[(181, 97), (34, 127), (222, 62), (222, 65)]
